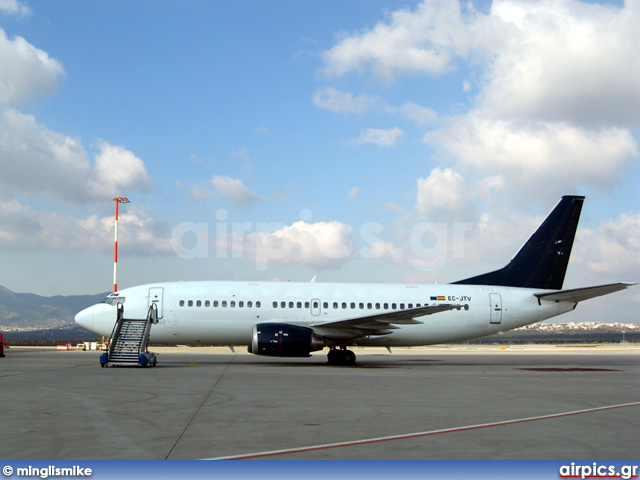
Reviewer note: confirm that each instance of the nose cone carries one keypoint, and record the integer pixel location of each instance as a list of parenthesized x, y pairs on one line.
[(98, 318), (85, 318)]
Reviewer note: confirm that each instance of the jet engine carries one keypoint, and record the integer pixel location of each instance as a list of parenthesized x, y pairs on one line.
[(284, 340)]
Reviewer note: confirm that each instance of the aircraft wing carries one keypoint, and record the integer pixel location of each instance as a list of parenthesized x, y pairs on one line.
[(579, 294), (378, 324)]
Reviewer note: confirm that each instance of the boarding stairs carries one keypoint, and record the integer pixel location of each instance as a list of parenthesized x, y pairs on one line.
[(130, 339)]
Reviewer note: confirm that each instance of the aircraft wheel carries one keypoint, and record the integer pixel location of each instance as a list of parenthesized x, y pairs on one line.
[(349, 357), (341, 357), (333, 357)]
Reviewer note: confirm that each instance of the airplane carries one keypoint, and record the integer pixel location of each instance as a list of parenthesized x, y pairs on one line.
[(287, 319)]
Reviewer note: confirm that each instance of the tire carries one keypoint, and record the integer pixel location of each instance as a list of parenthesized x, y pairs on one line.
[(349, 358)]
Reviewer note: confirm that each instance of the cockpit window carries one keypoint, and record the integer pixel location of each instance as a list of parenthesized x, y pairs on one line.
[(113, 300)]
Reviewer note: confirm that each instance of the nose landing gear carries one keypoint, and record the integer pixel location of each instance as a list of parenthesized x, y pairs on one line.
[(341, 356)]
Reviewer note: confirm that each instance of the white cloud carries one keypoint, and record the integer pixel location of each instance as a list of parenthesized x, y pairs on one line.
[(612, 250), (535, 157), (25, 229), (14, 7), (25, 70), (338, 101), (415, 112), (197, 193), (354, 192), (496, 237), (234, 190), (424, 40), (319, 245), (380, 137), (381, 249), (557, 60), (38, 161), (444, 196), (566, 61), (118, 170)]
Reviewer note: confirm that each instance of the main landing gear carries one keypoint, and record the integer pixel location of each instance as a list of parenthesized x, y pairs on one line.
[(341, 357)]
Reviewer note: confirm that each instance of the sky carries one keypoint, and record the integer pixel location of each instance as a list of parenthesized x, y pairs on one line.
[(364, 141)]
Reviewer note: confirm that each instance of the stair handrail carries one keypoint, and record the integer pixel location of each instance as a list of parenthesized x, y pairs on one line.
[(152, 317), (116, 328)]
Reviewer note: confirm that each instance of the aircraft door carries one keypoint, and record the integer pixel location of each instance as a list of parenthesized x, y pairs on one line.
[(155, 296), (495, 303)]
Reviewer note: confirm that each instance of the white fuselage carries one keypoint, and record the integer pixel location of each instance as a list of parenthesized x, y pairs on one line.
[(223, 313)]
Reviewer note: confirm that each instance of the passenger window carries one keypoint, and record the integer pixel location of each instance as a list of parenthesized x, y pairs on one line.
[(353, 305), (224, 303), (190, 303), (198, 303), (306, 305), (283, 304), (344, 305), (361, 305), (377, 306), (410, 305), (325, 305), (249, 304), (258, 304), (215, 303), (369, 306), (207, 303), (275, 304), (393, 306), (232, 303), (402, 306), (299, 304), (291, 304), (386, 306), (182, 303), (335, 304)]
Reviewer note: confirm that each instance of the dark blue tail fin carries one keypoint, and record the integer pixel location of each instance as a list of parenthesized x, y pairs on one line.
[(542, 261)]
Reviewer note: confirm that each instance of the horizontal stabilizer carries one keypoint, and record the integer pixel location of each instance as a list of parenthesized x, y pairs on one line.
[(579, 294)]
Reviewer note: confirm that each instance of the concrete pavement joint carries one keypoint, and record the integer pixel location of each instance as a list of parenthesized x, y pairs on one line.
[(200, 407), (421, 434)]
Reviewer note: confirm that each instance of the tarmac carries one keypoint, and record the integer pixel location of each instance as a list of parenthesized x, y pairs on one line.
[(444, 402)]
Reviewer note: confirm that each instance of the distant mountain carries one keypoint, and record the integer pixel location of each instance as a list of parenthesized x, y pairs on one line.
[(29, 311)]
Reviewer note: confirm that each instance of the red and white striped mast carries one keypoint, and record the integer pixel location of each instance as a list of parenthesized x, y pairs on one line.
[(118, 200)]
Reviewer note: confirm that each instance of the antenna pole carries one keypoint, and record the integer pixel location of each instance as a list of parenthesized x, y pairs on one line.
[(118, 200)]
